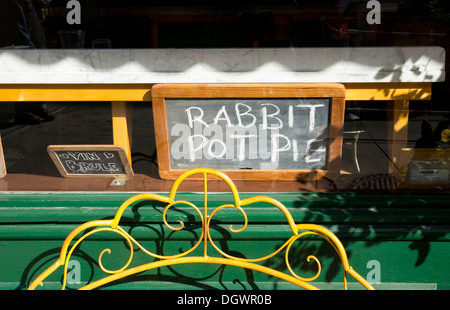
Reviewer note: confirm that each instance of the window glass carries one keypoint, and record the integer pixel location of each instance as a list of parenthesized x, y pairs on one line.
[(399, 143)]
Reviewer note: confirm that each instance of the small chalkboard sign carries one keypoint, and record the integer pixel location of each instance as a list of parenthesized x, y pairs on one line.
[(249, 131), (91, 161)]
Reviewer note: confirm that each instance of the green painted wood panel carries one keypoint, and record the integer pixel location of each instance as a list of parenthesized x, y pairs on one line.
[(406, 235)]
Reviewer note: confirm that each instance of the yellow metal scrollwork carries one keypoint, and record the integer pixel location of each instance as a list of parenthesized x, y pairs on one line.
[(298, 230)]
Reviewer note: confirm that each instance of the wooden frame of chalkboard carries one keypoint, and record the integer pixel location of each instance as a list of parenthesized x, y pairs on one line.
[(193, 122), (94, 161)]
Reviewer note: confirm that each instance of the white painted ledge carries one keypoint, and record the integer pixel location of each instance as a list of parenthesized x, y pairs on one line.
[(262, 65)]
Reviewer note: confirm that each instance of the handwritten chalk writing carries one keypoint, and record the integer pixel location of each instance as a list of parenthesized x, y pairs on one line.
[(108, 155), (195, 118), (91, 162), (312, 114), (244, 111), (83, 167), (225, 117), (278, 121), (248, 133), (80, 155)]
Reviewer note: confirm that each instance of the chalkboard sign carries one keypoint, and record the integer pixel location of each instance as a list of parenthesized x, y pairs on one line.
[(251, 131), (90, 161)]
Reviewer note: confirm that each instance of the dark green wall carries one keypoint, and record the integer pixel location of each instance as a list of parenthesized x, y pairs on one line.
[(408, 235)]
